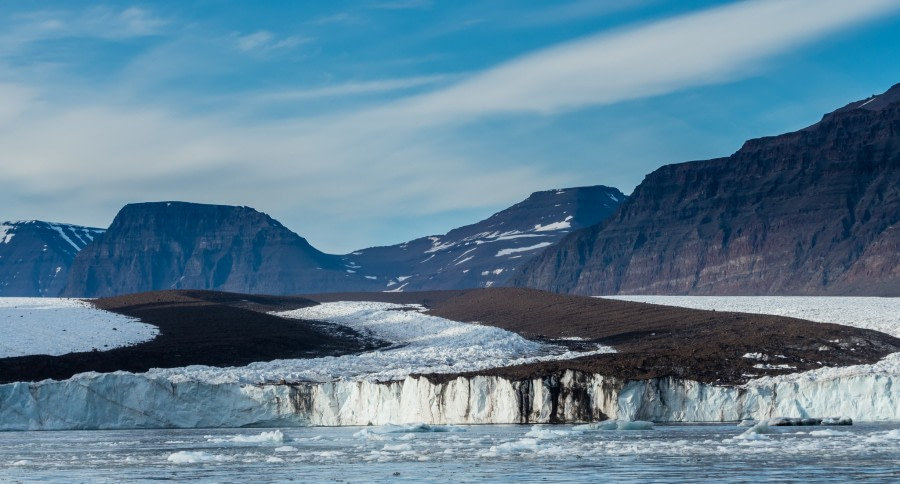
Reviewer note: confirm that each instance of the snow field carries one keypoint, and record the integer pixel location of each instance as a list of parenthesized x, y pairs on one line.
[(875, 313), (55, 326)]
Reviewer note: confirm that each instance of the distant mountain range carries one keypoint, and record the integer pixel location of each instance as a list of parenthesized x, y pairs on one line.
[(816, 211), (812, 212), (178, 245), (35, 256)]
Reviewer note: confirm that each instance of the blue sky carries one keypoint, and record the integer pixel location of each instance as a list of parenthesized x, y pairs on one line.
[(374, 122)]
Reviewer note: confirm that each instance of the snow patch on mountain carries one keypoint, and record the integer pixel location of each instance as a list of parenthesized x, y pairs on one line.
[(514, 250), (565, 224), (5, 235)]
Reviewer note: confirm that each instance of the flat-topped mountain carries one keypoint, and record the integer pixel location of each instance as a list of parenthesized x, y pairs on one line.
[(177, 245), (816, 211), (35, 256), (489, 252)]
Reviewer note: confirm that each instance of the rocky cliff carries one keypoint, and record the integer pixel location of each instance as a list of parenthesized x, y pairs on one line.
[(489, 252), (175, 245), (35, 256), (816, 211)]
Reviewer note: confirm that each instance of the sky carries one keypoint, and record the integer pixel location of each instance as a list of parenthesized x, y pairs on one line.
[(365, 123)]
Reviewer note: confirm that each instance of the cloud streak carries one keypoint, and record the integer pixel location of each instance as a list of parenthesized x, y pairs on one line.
[(696, 49)]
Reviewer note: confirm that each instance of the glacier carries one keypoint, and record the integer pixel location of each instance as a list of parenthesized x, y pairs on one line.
[(202, 397), (124, 400)]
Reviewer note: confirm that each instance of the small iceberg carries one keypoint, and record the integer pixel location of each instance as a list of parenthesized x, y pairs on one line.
[(793, 422), (616, 425)]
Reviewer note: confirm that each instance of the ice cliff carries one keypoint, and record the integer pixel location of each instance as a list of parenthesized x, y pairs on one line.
[(124, 400)]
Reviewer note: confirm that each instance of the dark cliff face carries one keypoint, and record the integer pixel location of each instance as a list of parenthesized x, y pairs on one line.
[(177, 245), (812, 212), (489, 252), (35, 256)]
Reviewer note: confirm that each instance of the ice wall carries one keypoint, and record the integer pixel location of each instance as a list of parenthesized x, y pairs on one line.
[(124, 400)]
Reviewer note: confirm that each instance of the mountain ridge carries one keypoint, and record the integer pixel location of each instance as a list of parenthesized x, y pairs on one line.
[(814, 211)]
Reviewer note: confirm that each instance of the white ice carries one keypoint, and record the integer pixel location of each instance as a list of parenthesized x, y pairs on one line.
[(420, 344), (53, 326)]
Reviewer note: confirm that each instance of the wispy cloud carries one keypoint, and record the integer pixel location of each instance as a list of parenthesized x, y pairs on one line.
[(336, 18), (351, 88), (95, 22), (263, 41), (696, 49)]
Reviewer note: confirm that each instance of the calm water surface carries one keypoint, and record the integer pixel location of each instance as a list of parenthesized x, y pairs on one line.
[(455, 454)]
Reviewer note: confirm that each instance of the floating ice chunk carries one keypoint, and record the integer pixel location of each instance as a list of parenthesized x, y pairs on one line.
[(417, 428), (368, 434), (527, 444), (829, 433), (23, 462), (543, 432), (758, 430), (273, 436), (837, 421), (634, 425), (747, 422), (616, 425), (397, 448), (274, 460), (286, 448), (196, 457), (793, 422)]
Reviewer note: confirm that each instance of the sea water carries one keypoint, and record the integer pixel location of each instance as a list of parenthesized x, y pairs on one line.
[(665, 453)]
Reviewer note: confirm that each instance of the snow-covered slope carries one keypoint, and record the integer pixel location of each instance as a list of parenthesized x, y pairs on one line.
[(281, 393), (35, 256), (489, 252), (52, 326)]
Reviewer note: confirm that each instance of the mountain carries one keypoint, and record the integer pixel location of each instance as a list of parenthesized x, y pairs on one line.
[(488, 252), (35, 256), (178, 245), (813, 212)]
